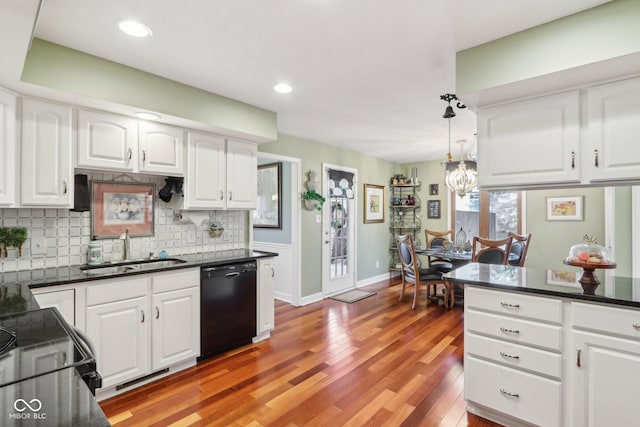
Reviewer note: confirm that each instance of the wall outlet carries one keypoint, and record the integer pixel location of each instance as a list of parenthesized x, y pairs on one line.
[(318, 219), (38, 246), (377, 264), (191, 236)]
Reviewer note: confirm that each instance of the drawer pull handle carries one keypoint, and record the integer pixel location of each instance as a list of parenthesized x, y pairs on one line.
[(506, 393), (129, 154), (142, 312), (636, 325), (510, 331), (578, 357), (509, 356), (507, 305)]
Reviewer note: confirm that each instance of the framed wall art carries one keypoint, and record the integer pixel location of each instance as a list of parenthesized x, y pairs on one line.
[(434, 189), (268, 213), (433, 209), (566, 208), (373, 203), (118, 206)]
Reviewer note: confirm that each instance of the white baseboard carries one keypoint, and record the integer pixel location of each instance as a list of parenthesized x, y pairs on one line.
[(310, 299), (376, 279), (282, 297)]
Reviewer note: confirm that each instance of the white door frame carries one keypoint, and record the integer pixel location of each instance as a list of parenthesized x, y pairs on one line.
[(326, 218), (296, 225)]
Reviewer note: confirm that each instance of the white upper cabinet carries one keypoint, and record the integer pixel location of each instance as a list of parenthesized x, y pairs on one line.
[(205, 185), (531, 142), (220, 173), (107, 141), (47, 172), (242, 174), (8, 144), (613, 150), (161, 149)]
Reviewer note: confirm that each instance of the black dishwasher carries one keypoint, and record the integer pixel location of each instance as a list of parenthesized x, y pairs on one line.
[(227, 307)]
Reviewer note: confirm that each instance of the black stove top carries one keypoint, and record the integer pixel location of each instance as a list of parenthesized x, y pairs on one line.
[(44, 343)]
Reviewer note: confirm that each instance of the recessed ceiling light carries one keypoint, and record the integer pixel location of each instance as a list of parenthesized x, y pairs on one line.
[(146, 116), (133, 28), (282, 88)]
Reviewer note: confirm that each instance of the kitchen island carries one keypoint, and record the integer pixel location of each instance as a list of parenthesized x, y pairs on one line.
[(541, 351)]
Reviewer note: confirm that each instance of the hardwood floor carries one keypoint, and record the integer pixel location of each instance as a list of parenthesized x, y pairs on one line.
[(373, 362)]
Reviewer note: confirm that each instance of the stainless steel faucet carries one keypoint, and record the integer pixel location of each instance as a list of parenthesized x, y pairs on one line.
[(126, 245)]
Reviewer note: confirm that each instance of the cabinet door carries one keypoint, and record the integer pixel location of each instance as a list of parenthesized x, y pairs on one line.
[(120, 333), (64, 301), (242, 174), (530, 142), (606, 380), (47, 174), (8, 143), (107, 141), (176, 327), (205, 185), (266, 286), (613, 152), (161, 149)]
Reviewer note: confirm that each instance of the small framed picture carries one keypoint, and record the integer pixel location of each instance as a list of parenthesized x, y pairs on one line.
[(433, 189), (433, 208), (566, 208), (373, 203), (563, 278)]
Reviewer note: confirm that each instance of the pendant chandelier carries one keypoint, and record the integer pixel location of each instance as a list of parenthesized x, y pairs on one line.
[(460, 177)]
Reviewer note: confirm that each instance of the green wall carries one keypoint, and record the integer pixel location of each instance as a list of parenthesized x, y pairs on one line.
[(551, 240), (72, 71), (372, 239), (598, 34), (623, 232)]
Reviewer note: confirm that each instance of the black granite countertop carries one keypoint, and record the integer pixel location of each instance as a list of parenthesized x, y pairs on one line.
[(623, 291), (73, 274), (59, 398)]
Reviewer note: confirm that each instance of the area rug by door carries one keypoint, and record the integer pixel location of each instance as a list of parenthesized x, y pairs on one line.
[(352, 296)]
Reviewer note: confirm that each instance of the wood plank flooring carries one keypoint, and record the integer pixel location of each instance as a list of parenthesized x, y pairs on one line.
[(375, 362)]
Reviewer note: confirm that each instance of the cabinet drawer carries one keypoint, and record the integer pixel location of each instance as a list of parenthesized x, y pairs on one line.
[(514, 330), (173, 281), (536, 399), (117, 290), (517, 356), (619, 321), (514, 304)]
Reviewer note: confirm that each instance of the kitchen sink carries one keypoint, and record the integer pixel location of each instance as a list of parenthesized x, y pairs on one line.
[(131, 266)]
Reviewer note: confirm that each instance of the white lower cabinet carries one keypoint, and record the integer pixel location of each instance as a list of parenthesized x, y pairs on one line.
[(517, 373), (605, 366), (143, 324), (513, 360), (176, 323), (266, 290)]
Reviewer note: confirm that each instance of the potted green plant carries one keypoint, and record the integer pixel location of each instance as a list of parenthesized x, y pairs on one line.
[(313, 200)]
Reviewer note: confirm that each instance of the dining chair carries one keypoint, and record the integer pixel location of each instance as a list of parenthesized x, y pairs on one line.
[(435, 239), (519, 246), (489, 251), (411, 272)]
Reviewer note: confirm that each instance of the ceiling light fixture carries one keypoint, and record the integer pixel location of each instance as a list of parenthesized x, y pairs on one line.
[(135, 29), (283, 88), (146, 115), (461, 177)]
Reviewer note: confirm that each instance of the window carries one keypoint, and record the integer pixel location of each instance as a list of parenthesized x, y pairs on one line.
[(489, 214)]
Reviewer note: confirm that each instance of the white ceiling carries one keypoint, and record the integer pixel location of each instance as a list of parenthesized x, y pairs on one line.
[(367, 74)]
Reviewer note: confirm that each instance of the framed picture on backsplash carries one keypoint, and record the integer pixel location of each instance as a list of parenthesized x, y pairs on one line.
[(119, 206)]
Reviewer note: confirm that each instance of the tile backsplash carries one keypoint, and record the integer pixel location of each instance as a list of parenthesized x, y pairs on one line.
[(67, 234)]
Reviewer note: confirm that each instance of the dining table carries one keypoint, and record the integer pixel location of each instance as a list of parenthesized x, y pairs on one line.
[(457, 259)]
